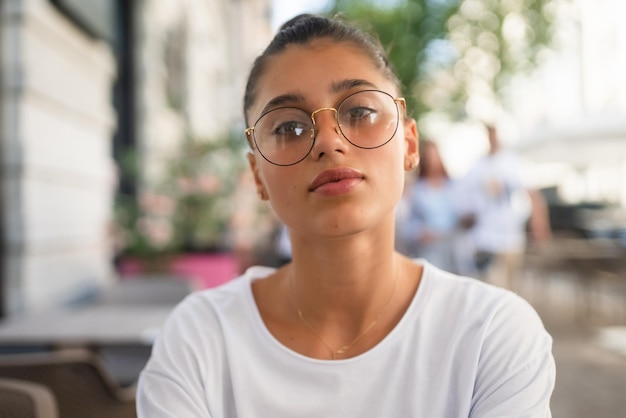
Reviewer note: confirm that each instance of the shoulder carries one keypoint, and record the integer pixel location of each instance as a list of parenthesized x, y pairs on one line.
[(499, 337), (505, 328), (198, 326), (189, 361), (466, 292), (216, 301), (496, 312), (210, 311)]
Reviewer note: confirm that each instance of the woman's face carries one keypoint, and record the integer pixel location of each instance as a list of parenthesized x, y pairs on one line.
[(338, 189)]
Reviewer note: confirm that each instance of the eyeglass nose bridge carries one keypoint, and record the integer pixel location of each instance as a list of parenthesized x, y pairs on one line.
[(314, 130)]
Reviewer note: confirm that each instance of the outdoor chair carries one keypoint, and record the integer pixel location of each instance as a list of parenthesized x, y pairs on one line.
[(23, 399), (80, 384)]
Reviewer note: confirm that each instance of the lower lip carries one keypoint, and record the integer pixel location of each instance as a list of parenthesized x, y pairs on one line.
[(337, 188)]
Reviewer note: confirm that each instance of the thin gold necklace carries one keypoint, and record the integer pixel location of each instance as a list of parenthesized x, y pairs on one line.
[(343, 349)]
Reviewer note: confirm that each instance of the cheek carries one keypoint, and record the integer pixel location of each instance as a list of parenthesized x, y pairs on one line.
[(280, 184), (396, 169), (389, 169), (395, 155)]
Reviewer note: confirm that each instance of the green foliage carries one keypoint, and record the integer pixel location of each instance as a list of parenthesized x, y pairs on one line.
[(189, 208), (447, 50), (202, 180)]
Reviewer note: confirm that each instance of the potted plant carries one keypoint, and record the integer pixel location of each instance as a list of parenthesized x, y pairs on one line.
[(186, 215)]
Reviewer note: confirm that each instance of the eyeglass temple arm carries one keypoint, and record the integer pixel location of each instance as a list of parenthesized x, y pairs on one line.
[(402, 102), (248, 133)]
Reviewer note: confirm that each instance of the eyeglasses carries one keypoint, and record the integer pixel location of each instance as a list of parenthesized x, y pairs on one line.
[(367, 119)]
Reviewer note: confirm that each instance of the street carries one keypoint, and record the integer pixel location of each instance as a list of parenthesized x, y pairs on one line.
[(591, 371)]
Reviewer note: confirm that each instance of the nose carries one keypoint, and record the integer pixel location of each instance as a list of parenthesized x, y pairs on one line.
[(326, 133)]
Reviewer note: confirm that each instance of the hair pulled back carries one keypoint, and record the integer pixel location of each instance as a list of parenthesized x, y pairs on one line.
[(306, 28)]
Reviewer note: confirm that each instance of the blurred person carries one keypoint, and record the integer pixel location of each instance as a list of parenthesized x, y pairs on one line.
[(434, 226), (501, 204), (330, 143), (539, 223)]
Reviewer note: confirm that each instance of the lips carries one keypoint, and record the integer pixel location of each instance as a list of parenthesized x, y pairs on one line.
[(334, 176)]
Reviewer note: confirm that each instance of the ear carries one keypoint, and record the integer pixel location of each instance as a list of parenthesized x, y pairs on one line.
[(260, 186), (411, 141)]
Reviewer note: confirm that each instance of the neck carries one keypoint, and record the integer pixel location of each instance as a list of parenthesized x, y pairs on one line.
[(357, 333), (343, 278)]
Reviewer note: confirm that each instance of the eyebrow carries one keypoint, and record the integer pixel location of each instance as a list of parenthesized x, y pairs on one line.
[(282, 99), (343, 85), (296, 97)]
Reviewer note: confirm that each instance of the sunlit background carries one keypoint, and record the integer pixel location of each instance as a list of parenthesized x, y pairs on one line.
[(566, 116), (129, 137), (123, 152)]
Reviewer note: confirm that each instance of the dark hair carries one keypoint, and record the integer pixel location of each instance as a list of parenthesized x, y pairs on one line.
[(426, 163), (306, 28)]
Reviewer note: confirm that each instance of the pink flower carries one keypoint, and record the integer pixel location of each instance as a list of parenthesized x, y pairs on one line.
[(157, 231), (208, 184), (185, 184), (156, 204)]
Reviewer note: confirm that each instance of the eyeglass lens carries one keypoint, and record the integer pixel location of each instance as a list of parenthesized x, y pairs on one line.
[(367, 119)]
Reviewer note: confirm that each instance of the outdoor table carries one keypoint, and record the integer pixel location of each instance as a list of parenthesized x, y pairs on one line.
[(91, 326), (121, 335), (587, 261)]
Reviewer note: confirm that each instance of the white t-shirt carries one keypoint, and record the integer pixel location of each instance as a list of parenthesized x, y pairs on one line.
[(495, 191), (463, 349)]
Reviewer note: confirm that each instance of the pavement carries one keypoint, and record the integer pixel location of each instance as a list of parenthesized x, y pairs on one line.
[(589, 332)]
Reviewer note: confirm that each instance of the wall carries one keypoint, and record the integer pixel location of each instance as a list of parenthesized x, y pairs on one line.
[(572, 110), (58, 122), (58, 177), (193, 61)]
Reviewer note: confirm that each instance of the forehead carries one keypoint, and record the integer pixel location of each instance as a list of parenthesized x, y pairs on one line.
[(312, 70)]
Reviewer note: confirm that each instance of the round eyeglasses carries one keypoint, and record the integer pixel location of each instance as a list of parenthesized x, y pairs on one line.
[(286, 135)]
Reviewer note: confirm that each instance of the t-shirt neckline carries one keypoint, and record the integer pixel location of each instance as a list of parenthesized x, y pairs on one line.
[(412, 312)]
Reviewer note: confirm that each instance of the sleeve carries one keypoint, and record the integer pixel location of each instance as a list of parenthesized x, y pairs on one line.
[(519, 197), (464, 197), (172, 384), (516, 370), (468, 196)]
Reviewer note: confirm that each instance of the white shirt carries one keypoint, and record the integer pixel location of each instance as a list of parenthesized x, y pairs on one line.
[(496, 193), (463, 349)]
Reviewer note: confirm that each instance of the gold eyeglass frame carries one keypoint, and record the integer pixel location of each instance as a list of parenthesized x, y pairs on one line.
[(250, 131)]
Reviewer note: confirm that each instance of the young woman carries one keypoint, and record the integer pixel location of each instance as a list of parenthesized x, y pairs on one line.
[(349, 328)]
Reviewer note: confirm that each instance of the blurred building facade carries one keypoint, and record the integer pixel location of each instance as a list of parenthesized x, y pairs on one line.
[(572, 112), (81, 79)]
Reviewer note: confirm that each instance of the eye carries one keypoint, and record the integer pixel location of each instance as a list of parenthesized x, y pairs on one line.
[(361, 112), (284, 124), (358, 115), (290, 128)]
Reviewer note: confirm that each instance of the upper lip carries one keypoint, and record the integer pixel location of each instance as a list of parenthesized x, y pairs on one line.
[(333, 175)]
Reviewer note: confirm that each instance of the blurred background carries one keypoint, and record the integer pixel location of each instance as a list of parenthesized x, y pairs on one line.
[(123, 152)]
